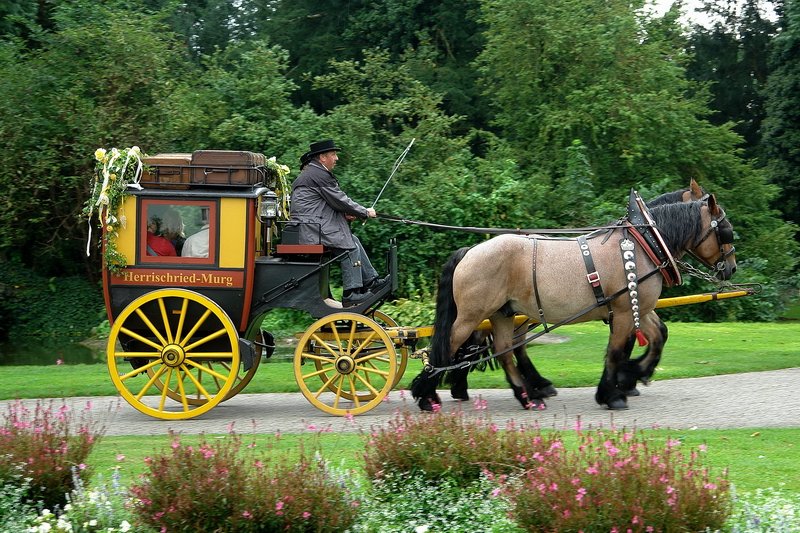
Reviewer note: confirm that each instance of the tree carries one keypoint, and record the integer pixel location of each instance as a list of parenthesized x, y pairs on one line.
[(96, 80), (781, 128), (732, 56)]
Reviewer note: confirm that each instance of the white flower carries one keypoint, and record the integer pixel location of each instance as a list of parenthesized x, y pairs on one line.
[(124, 526), (422, 529)]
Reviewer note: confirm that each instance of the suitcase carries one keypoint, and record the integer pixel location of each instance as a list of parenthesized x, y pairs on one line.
[(166, 170), (227, 167)]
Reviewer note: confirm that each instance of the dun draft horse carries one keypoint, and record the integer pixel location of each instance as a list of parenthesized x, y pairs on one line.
[(629, 371), (615, 272)]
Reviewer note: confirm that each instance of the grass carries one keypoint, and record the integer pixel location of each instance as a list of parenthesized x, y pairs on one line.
[(693, 350), (754, 458)]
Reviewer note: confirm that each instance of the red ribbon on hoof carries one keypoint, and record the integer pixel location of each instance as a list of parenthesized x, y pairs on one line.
[(641, 338)]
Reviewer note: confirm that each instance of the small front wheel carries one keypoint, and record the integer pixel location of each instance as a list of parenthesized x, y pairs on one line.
[(355, 364)]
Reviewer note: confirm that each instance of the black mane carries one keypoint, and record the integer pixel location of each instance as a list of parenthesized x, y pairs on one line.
[(673, 197), (680, 225)]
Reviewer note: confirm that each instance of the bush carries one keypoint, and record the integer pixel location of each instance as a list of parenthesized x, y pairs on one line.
[(220, 487), (13, 510), (46, 444), (413, 503), (609, 480), (450, 445), (103, 508), (765, 511), (618, 481)]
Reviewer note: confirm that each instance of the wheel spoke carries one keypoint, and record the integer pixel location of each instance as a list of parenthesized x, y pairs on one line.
[(197, 325), (181, 389), (181, 320), (165, 319), (201, 390), (164, 390), (139, 338), (209, 337), (366, 383), (137, 371), (150, 382), (206, 369), (151, 327)]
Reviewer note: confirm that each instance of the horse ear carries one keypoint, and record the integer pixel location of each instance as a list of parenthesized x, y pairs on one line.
[(713, 207), (697, 191)]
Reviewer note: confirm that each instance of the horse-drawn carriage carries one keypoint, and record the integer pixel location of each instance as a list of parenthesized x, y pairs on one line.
[(186, 327)]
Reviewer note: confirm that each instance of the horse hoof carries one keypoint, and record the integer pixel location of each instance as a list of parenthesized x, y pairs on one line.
[(633, 392), (536, 404), (426, 404), (548, 392), (618, 405), (460, 396)]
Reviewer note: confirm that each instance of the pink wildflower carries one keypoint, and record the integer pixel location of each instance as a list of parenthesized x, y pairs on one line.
[(349, 417), (279, 505), (246, 514), (580, 494), (710, 486), (671, 443), (59, 361), (120, 457), (703, 448), (306, 515), (592, 470)]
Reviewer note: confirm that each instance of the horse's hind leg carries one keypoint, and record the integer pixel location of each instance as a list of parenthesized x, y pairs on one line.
[(503, 331), (643, 367), (540, 386)]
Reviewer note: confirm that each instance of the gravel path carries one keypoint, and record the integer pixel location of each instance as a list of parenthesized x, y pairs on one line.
[(750, 400)]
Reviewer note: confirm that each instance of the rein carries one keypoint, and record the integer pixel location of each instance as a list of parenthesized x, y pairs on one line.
[(496, 231)]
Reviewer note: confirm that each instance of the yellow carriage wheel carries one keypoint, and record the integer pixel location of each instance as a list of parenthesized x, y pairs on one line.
[(355, 364), (173, 340), (209, 368), (402, 350)]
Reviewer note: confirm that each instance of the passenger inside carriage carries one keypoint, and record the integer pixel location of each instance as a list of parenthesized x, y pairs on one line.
[(156, 243)]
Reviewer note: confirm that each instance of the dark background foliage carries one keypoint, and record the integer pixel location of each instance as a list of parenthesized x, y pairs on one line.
[(525, 114)]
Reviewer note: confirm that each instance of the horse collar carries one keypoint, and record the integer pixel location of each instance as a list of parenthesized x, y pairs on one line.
[(647, 235)]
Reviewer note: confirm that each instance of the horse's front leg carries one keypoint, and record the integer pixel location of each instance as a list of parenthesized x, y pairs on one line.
[(643, 367), (609, 392)]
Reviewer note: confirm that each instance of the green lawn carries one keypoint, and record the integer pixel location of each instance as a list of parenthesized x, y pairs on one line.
[(693, 350), (754, 458)]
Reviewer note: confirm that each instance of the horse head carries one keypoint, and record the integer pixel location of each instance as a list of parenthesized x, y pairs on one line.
[(714, 248)]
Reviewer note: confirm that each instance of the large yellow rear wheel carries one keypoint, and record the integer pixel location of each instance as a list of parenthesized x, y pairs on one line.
[(173, 344), (355, 364)]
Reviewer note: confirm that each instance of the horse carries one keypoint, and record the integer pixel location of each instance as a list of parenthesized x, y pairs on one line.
[(630, 371), (547, 278)]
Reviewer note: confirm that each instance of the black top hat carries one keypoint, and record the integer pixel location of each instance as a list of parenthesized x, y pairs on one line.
[(319, 147)]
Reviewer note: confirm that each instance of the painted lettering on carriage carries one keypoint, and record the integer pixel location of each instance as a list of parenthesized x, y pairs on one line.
[(179, 278)]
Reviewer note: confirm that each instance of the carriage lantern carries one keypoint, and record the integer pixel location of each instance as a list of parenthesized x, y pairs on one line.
[(267, 213)]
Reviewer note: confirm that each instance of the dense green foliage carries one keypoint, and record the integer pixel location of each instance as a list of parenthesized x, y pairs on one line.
[(525, 114)]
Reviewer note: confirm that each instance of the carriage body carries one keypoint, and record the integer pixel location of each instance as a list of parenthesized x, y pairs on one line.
[(186, 330)]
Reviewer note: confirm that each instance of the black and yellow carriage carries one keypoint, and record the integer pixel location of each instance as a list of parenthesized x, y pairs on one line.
[(186, 327), (196, 255)]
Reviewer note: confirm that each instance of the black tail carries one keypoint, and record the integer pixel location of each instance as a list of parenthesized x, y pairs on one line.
[(446, 311)]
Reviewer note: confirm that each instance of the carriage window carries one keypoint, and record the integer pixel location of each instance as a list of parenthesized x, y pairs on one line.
[(178, 231)]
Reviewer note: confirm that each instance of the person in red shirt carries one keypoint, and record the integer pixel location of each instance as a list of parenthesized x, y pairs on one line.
[(156, 244)]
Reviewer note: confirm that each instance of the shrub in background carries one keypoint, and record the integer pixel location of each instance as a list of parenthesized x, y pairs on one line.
[(221, 487), (436, 445), (46, 443)]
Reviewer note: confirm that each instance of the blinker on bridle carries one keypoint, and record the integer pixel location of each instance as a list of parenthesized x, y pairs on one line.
[(724, 236)]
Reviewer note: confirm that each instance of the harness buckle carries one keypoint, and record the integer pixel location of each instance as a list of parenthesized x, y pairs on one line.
[(593, 278)]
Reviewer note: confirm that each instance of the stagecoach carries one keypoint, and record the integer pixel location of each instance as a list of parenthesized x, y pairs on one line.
[(186, 328)]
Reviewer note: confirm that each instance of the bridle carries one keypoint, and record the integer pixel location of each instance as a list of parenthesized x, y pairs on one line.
[(724, 235)]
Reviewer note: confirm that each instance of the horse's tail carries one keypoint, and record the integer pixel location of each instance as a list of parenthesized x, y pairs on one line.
[(446, 311)]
